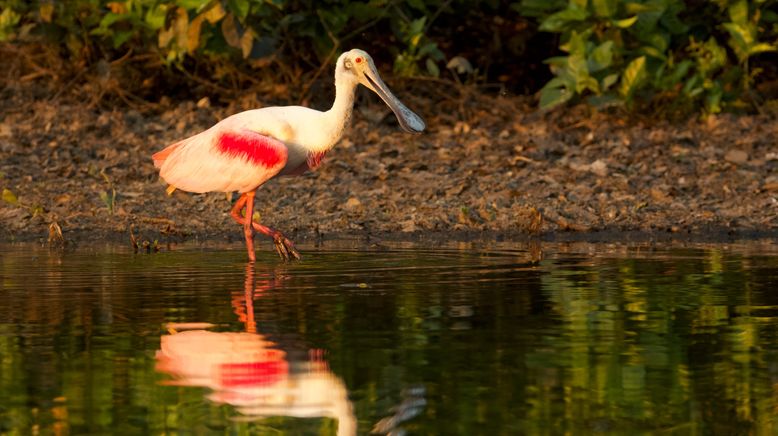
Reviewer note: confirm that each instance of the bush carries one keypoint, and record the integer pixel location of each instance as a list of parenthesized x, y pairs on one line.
[(668, 50), (675, 54), (248, 29)]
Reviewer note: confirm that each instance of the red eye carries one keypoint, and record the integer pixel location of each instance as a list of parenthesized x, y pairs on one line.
[(358, 60)]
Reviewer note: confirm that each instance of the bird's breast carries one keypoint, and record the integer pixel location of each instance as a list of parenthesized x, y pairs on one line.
[(299, 164)]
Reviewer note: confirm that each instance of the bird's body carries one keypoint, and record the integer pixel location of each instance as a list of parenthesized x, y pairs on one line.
[(245, 150)]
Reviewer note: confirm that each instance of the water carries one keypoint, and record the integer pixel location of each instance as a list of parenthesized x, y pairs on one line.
[(518, 339)]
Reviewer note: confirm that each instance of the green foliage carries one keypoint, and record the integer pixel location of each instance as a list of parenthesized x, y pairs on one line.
[(418, 48), (247, 29), (680, 54), (615, 50)]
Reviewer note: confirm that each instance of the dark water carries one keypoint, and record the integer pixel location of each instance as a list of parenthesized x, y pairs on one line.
[(458, 340)]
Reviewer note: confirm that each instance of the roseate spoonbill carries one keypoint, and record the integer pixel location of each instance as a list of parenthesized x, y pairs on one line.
[(245, 150)]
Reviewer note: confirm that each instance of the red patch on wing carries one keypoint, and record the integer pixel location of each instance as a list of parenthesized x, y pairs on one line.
[(253, 373), (258, 149)]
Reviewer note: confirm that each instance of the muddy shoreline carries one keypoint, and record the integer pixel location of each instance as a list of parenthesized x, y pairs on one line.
[(485, 239), (488, 168)]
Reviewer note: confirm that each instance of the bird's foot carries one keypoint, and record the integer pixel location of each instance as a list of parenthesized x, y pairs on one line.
[(285, 248)]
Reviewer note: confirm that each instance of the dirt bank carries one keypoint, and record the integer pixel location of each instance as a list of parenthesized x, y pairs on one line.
[(485, 164)]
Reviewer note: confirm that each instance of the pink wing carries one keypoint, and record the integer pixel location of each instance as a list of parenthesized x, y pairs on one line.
[(221, 159)]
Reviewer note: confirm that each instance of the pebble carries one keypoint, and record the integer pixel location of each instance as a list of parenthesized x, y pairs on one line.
[(736, 156), (599, 167)]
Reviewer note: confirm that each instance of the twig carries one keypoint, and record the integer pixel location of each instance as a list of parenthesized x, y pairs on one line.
[(436, 14), (203, 82), (124, 57), (326, 63), (369, 24), (322, 67), (70, 83)]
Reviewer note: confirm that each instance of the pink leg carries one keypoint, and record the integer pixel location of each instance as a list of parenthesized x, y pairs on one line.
[(245, 201), (251, 325), (248, 230), (284, 246)]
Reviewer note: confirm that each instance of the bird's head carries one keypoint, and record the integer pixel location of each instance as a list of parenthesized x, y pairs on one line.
[(358, 66)]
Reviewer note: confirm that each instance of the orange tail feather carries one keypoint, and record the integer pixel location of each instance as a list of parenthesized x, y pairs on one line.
[(160, 156)]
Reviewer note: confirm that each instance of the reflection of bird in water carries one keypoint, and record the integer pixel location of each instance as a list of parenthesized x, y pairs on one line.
[(247, 371)]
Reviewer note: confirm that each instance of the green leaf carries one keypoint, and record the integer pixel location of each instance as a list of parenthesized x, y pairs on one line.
[(431, 49), (417, 4), (603, 100), (761, 48), (576, 45), (713, 99), (111, 18), (8, 21), (554, 93), (591, 84), (741, 40), (417, 26), (559, 21), (738, 12), (709, 56), (191, 4), (120, 38), (653, 52), (632, 77), (659, 40), (636, 8), (679, 72), (239, 7), (604, 8), (538, 8), (432, 68), (556, 61), (608, 81), (674, 24), (9, 197), (601, 57), (577, 70), (625, 23), (155, 17), (646, 25)]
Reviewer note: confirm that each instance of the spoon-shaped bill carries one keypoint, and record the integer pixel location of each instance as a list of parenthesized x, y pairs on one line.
[(409, 121)]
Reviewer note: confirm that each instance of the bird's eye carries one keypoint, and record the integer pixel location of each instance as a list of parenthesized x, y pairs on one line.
[(358, 60)]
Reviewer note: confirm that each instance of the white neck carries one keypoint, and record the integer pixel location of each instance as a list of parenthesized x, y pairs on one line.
[(339, 115)]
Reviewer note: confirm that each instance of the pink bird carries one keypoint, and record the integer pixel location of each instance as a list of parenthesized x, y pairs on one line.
[(245, 150)]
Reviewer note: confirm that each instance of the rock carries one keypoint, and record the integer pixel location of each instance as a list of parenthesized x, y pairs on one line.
[(599, 167), (353, 203), (204, 103), (658, 196), (736, 156), (5, 130)]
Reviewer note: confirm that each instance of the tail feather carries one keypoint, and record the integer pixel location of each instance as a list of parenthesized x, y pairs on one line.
[(160, 156)]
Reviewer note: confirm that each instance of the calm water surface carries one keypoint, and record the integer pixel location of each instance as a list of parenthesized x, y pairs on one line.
[(519, 339)]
